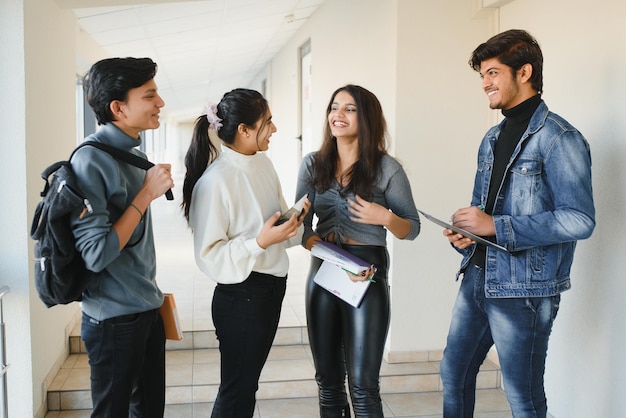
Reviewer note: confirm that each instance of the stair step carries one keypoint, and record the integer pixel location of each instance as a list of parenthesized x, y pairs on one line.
[(205, 339), (192, 372)]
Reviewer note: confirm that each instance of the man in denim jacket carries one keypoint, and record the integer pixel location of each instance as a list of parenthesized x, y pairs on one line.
[(533, 196)]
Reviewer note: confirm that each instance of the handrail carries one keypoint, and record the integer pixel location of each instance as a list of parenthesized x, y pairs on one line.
[(4, 401)]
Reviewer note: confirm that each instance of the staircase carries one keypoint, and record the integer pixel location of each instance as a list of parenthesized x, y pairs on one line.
[(193, 377)]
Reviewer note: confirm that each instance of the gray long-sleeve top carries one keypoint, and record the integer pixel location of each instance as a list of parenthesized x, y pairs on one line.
[(392, 190), (125, 280)]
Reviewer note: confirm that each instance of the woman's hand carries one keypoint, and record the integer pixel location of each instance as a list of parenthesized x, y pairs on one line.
[(368, 212), (305, 209), (374, 214), (313, 239), (363, 276), (271, 234)]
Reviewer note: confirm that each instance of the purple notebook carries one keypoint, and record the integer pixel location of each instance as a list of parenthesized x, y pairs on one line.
[(340, 257)]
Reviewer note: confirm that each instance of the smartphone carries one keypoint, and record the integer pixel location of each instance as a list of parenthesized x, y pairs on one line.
[(296, 208)]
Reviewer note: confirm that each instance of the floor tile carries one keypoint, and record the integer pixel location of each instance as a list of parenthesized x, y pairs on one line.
[(179, 357), (287, 370), (414, 404), (288, 352), (208, 355), (491, 400), (77, 379), (178, 374), (506, 414), (295, 408)]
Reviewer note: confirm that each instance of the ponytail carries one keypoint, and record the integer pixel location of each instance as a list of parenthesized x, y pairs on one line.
[(236, 107), (200, 154)]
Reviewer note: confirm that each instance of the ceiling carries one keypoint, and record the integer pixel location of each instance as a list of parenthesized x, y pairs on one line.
[(203, 48)]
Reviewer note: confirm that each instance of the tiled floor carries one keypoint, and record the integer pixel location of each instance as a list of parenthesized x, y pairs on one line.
[(490, 404), (287, 388), (409, 390)]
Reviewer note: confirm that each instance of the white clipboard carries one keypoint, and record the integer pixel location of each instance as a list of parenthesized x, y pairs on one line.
[(476, 238), (335, 280)]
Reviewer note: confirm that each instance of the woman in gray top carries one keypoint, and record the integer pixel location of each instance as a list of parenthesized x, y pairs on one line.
[(358, 192)]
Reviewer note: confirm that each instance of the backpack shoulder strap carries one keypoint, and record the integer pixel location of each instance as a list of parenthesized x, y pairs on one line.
[(127, 157), (118, 154)]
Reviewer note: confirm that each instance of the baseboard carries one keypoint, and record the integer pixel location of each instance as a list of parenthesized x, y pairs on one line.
[(412, 356), (432, 355)]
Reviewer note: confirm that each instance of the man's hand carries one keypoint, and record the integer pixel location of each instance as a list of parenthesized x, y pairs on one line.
[(458, 240), (158, 180), (474, 220)]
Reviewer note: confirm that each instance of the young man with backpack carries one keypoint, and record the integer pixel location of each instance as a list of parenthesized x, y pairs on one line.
[(121, 326)]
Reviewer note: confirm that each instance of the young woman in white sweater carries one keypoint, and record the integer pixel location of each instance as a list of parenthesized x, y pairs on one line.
[(232, 200)]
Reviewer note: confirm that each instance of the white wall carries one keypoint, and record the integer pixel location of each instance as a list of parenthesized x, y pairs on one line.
[(14, 255), (441, 119), (585, 64), (38, 63), (49, 61)]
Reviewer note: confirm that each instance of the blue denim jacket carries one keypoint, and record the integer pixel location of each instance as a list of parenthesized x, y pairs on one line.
[(543, 206)]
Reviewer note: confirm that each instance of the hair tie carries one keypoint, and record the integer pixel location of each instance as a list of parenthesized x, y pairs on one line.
[(210, 110)]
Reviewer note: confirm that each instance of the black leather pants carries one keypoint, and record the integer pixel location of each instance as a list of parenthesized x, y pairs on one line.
[(349, 340)]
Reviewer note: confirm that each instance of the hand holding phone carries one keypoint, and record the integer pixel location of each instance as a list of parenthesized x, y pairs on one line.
[(295, 209)]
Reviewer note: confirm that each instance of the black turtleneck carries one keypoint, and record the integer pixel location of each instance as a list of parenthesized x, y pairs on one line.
[(514, 126)]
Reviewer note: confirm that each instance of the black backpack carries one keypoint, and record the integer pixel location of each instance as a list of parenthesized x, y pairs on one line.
[(60, 272)]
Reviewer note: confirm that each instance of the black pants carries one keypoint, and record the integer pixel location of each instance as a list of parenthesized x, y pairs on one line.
[(127, 361), (246, 317), (347, 339)]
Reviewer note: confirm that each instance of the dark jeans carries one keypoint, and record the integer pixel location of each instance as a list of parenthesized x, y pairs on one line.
[(127, 360), (520, 329), (246, 317), (347, 339)]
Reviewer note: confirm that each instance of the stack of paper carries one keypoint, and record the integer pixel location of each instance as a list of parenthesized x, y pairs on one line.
[(334, 272)]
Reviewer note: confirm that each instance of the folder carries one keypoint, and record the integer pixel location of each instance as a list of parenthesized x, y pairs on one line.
[(333, 273), (171, 321), (340, 257), (476, 238), (335, 280)]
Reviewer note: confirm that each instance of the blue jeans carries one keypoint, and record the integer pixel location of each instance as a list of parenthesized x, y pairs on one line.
[(520, 329), (127, 360), (246, 318)]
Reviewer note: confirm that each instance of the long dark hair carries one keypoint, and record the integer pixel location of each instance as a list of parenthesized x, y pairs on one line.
[(236, 107), (513, 48), (372, 137)]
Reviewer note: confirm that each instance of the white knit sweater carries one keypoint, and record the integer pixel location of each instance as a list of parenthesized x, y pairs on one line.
[(230, 203)]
